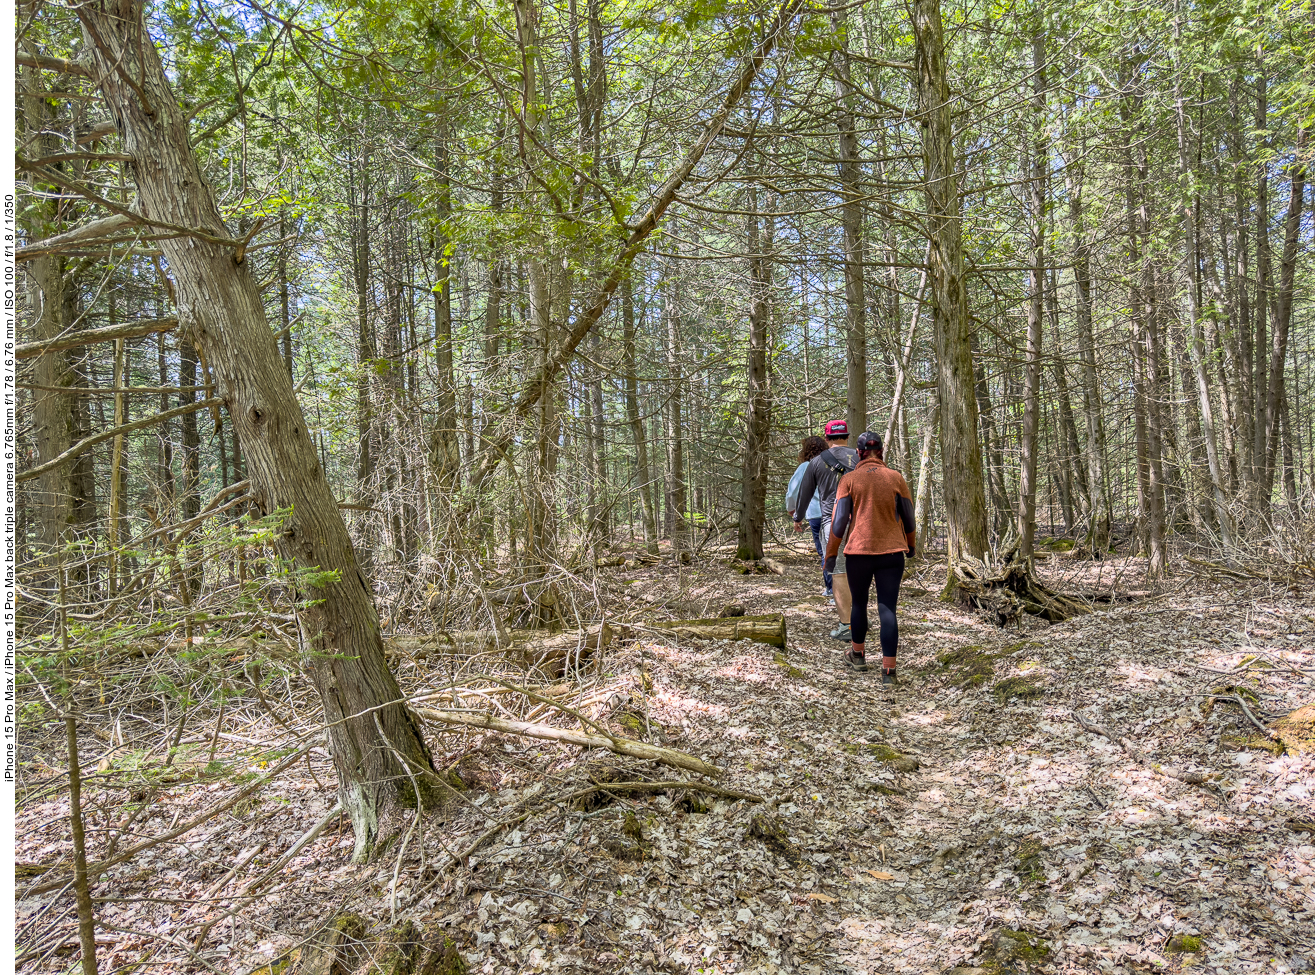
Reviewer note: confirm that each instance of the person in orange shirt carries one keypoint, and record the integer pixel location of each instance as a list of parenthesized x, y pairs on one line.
[(874, 518)]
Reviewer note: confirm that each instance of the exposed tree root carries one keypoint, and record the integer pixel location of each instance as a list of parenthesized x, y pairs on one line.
[(1005, 592)]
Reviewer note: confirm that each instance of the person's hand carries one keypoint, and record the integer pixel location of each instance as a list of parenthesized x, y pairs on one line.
[(913, 551), (830, 564), (798, 526)]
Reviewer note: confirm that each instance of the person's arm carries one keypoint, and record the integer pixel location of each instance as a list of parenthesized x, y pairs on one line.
[(839, 525), (806, 488), (904, 505), (792, 490)]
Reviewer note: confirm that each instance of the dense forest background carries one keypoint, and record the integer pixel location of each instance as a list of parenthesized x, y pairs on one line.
[(343, 320)]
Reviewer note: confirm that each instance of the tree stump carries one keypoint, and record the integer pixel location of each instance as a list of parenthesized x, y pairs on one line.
[(1005, 592)]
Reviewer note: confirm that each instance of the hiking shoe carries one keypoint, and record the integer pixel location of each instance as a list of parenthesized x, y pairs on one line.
[(841, 632), (888, 678), (855, 661)]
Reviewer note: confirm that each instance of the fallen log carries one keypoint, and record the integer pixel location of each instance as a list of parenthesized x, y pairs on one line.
[(622, 746), (769, 629), (549, 652)]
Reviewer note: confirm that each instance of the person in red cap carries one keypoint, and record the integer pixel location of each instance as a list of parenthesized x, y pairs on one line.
[(822, 477), (874, 516)]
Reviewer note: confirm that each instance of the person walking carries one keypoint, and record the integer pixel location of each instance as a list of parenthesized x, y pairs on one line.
[(811, 447), (874, 516), (821, 478)]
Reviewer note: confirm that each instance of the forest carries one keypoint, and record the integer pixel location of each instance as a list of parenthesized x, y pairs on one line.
[(405, 397)]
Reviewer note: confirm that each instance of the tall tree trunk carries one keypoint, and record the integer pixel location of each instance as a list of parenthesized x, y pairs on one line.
[(851, 221), (961, 457), (643, 475), (1283, 309), (1035, 304), (376, 742), (925, 458), (753, 479), (444, 446), (1097, 540), (1196, 347), (52, 401), (1145, 340), (365, 353), (1260, 385), (675, 495)]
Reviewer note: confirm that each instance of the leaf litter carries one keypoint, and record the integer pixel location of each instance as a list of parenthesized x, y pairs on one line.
[(967, 821)]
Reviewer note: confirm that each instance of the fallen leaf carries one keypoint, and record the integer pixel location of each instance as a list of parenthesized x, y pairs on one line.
[(825, 898), (882, 875)]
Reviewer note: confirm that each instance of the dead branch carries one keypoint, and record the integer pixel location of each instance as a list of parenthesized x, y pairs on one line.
[(74, 340), (82, 446), (1191, 778), (622, 746)]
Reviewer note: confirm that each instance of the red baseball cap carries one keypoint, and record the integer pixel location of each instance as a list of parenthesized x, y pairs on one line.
[(837, 428)]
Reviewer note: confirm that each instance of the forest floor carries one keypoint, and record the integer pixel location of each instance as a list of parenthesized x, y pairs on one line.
[(962, 821)]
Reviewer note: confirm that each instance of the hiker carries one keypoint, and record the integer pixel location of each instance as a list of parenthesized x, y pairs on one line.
[(811, 447), (821, 478), (874, 516)]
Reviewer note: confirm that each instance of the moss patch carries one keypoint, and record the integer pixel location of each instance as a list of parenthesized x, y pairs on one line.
[(967, 666), (1253, 743), (1027, 861), (1296, 730), (1019, 946), (790, 669), (1023, 688), (888, 756), (1181, 944), (772, 832)]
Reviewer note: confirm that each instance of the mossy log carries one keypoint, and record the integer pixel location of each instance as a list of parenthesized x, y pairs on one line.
[(1005, 592), (769, 629)]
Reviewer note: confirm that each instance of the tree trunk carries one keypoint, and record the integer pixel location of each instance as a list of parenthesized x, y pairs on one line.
[(444, 446), (1196, 348), (376, 742), (851, 221), (52, 404), (675, 494), (643, 475), (1283, 310), (961, 457), (753, 480), (924, 479), (1097, 540), (1035, 306)]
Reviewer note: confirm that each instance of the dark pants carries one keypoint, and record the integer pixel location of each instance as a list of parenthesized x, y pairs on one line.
[(816, 525), (886, 571)]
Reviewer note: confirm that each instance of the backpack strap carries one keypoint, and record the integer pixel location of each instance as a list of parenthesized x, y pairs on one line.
[(835, 464)]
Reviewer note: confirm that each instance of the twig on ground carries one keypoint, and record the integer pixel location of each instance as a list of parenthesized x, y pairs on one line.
[(1191, 778)]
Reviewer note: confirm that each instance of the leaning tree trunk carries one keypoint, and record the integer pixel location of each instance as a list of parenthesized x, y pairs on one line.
[(377, 744), (961, 454)]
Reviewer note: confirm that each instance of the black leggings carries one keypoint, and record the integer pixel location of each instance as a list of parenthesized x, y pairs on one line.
[(887, 571)]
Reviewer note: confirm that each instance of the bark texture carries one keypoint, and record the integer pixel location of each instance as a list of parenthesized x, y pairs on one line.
[(220, 306)]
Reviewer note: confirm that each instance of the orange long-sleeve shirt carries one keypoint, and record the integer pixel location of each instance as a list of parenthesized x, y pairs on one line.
[(875, 526)]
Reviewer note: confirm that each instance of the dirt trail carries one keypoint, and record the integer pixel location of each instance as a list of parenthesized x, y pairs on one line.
[(964, 820)]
